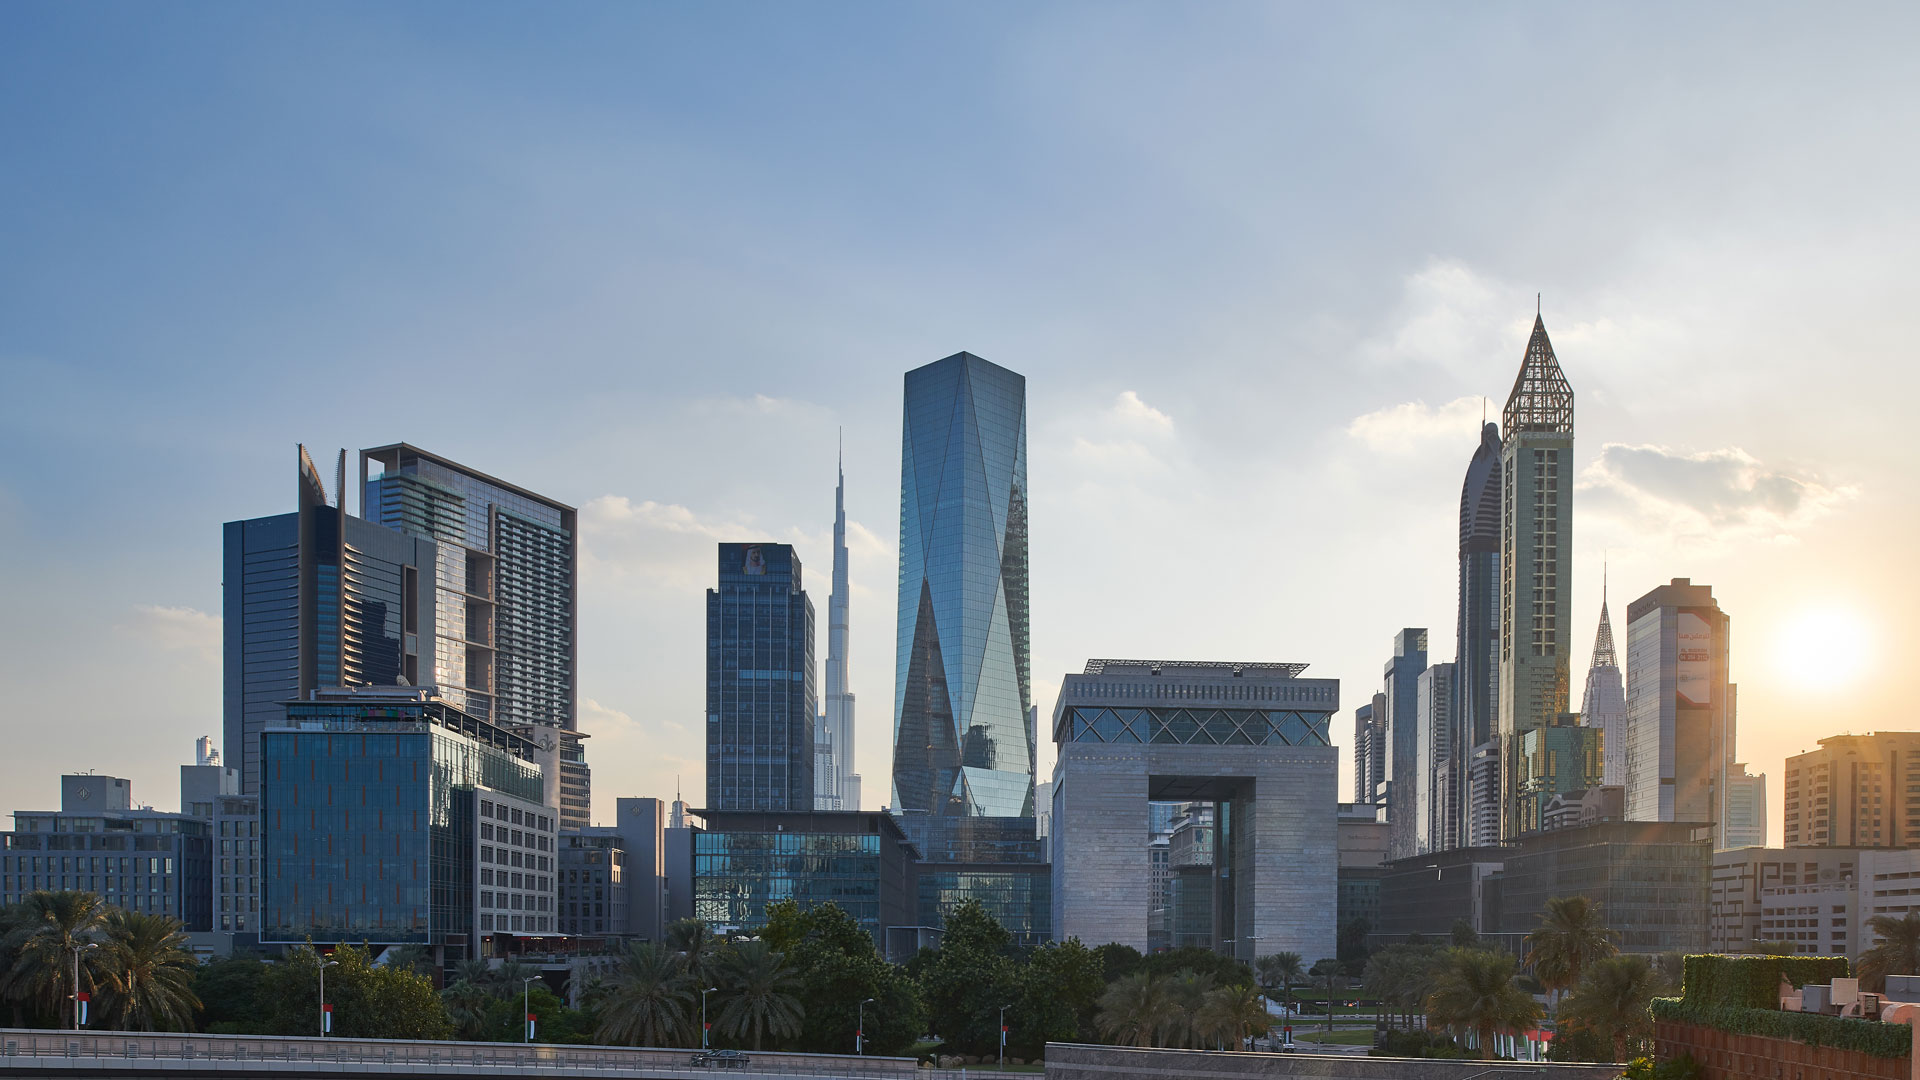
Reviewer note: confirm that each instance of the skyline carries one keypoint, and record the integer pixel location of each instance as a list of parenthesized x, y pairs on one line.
[(1272, 339)]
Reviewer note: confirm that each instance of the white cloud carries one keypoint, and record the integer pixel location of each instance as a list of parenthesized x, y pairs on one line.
[(1413, 427), (1128, 409), (176, 628), (1704, 498), (1128, 435)]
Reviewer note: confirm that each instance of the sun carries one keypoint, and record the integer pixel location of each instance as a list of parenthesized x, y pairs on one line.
[(1825, 648)]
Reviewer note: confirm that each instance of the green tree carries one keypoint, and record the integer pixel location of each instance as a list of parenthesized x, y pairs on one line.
[(1235, 1014), (1136, 1010), (757, 991), (696, 946), (415, 958), (1612, 1000), (1473, 990), (839, 968), (968, 979), (1463, 935), (42, 944), (1188, 991), (651, 1001), (1331, 976), (1400, 977), (229, 993), (467, 1004), (1059, 990), (1896, 953), (1117, 961), (147, 973), (368, 1002), (1224, 969), (1352, 950), (1283, 970), (1570, 938)]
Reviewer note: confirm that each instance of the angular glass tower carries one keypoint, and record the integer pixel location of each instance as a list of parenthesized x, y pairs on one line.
[(963, 722), (1604, 704), (761, 694), (1536, 562)]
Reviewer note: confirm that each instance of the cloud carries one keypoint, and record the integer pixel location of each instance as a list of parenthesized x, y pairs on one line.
[(1121, 434), (1129, 410), (176, 629), (1412, 427), (1707, 497)]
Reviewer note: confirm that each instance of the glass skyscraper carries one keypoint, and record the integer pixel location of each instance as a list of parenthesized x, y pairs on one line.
[(963, 723), (1536, 563), (836, 786), (761, 693), (316, 599), (1476, 683), (505, 582)]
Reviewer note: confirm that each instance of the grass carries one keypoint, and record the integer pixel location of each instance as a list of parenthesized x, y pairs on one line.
[(1343, 1038)]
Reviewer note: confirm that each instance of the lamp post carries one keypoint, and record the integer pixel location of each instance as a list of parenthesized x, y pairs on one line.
[(703, 1015), (526, 1003), (323, 995), (78, 948), (860, 1029), (1003, 1034)]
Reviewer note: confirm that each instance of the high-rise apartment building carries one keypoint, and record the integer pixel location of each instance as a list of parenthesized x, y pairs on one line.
[(1536, 561), (1746, 809), (962, 741), (1855, 791), (836, 786), (1680, 706), (1476, 682), (1400, 683), (761, 694), (1604, 703), (1437, 807), (1370, 752), (316, 599)]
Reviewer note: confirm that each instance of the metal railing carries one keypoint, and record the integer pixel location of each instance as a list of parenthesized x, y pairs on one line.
[(89, 1051)]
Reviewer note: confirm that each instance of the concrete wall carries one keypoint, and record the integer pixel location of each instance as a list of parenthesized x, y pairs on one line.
[(1067, 1061)]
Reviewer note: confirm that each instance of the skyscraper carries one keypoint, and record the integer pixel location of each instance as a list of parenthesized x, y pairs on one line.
[(1746, 809), (1680, 706), (1439, 803), (1400, 684), (835, 785), (1536, 561), (761, 694), (506, 590), (962, 735), (1476, 683), (1604, 703), (1369, 753), (1848, 792), (316, 599)]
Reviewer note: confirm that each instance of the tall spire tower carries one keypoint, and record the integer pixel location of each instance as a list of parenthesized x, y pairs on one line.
[(1536, 565), (836, 784), (1604, 703)]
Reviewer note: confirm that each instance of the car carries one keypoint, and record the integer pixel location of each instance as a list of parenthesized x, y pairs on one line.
[(720, 1059)]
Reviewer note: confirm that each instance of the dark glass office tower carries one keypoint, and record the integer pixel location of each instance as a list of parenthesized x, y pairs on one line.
[(962, 734), (316, 599), (761, 693), (505, 581), (1477, 640)]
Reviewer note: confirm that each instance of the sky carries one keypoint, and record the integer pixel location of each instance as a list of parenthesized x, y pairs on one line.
[(1261, 265)]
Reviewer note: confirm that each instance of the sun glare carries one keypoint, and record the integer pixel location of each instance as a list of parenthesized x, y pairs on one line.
[(1825, 649)]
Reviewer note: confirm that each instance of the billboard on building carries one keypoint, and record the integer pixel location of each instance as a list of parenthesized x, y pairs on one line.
[(1695, 656)]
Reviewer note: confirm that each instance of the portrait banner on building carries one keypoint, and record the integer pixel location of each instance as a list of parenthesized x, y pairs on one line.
[(1694, 638)]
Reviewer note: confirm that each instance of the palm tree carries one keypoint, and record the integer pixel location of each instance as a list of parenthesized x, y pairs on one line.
[(466, 1003), (1188, 992), (651, 999), (1898, 951), (148, 973), (694, 942), (1236, 1014), (475, 970), (1328, 969), (1473, 990), (414, 958), (506, 978), (1570, 937), (1282, 969), (757, 994), (1612, 1000), (1135, 1010), (55, 923)]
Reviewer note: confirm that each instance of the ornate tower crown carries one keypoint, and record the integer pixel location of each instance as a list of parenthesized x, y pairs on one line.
[(1542, 399)]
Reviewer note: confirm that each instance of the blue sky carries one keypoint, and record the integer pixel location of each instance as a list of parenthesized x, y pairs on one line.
[(1258, 262)]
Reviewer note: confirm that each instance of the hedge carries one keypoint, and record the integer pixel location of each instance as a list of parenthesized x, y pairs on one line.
[(1753, 982), (1815, 1029)]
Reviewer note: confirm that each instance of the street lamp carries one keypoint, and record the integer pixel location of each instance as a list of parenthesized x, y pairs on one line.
[(78, 948), (526, 1003), (703, 1015), (1003, 1033), (860, 1029), (323, 995)]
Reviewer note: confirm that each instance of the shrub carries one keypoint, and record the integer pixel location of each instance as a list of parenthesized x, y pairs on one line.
[(1753, 982), (1814, 1029)]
